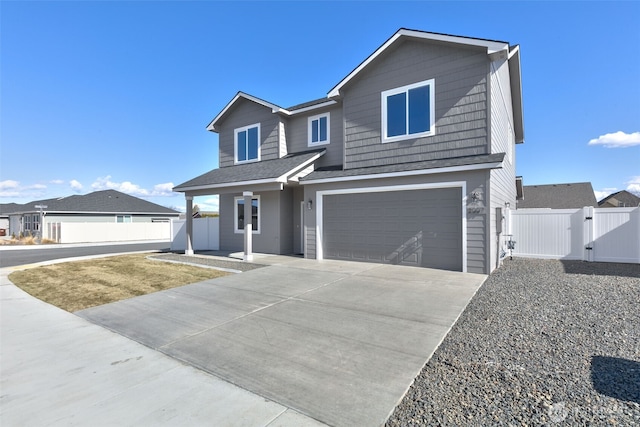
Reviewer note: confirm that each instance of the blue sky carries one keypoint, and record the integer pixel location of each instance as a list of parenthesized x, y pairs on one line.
[(98, 95)]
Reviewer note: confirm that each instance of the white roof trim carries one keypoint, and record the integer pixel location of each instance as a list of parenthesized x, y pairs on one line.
[(274, 107), (282, 179), (491, 46), (495, 165), (313, 107)]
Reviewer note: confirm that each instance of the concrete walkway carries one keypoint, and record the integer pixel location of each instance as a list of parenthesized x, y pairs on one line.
[(57, 369), (337, 341)]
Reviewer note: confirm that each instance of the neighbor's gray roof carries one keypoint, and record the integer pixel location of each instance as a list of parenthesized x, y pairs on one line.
[(558, 196), (404, 167), (262, 170), (106, 201), (627, 198)]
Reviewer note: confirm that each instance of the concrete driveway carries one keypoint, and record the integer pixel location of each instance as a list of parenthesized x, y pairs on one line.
[(338, 341)]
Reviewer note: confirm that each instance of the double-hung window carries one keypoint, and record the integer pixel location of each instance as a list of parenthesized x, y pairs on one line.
[(408, 111), (239, 214), (319, 129), (247, 144)]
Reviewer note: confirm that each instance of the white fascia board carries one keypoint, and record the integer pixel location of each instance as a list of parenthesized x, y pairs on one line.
[(294, 172), (229, 184), (515, 78), (450, 169), (491, 46), (327, 103), (274, 108), (282, 179)]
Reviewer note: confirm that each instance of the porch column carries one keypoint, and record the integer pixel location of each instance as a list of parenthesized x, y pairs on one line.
[(248, 227), (189, 247)]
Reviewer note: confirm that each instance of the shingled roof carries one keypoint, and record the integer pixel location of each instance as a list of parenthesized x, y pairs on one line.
[(620, 199), (105, 201), (558, 196), (276, 170)]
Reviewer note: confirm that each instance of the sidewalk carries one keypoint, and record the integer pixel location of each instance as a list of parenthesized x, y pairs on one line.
[(59, 369)]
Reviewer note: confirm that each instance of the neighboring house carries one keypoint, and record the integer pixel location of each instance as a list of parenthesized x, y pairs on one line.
[(97, 207), (558, 196), (409, 160), (621, 199)]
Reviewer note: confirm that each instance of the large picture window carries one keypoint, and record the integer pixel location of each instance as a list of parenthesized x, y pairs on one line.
[(247, 144), (239, 214), (319, 130), (408, 111)]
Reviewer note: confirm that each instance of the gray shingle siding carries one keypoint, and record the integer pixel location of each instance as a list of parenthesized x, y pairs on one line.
[(297, 132), (244, 114), (460, 101)]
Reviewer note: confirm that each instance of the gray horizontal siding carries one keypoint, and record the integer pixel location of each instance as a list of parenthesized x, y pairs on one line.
[(297, 136), (460, 107), (244, 114)]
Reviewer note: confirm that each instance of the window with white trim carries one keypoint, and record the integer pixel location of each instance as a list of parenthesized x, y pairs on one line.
[(318, 130), (247, 143), (408, 111), (123, 218), (238, 217)]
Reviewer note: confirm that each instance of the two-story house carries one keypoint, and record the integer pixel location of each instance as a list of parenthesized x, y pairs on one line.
[(410, 159)]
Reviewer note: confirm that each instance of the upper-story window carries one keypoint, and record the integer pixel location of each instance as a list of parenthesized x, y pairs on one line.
[(247, 143), (408, 111), (319, 129)]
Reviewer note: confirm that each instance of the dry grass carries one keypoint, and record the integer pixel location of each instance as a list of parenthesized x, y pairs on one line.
[(74, 286), (27, 240)]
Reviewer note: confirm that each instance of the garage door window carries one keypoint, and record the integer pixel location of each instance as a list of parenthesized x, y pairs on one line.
[(239, 214)]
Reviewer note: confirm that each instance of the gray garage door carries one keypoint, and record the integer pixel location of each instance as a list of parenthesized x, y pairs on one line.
[(413, 227)]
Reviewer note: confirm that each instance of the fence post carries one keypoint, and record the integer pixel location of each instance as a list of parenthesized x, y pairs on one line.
[(588, 233)]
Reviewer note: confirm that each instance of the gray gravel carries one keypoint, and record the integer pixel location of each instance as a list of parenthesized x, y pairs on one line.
[(208, 261), (544, 342)]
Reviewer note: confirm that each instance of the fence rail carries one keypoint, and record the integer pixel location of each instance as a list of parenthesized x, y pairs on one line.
[(589, 234), (93, 232)]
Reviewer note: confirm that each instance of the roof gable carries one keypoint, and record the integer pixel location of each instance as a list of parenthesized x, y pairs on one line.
[(626, 198), (558, 196), (492, 46)]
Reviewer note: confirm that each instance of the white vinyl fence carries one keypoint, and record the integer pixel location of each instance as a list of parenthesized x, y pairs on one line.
[(588, 234), (206, 234), (93, 232)]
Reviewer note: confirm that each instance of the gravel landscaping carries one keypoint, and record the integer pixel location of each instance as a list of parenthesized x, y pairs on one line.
[(544, 342)]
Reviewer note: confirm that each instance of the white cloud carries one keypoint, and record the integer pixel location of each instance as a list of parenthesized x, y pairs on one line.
[(75, 185), (11, 188), (56, 181), (8, 184), (211, 204), (633, 185), (127, 187), (617, 140), (604, 193), (163, 190)]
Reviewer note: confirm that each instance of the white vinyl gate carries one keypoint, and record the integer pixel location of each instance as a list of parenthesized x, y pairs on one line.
[(588, 234)]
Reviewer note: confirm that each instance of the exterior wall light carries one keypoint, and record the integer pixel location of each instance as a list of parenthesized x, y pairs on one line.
[(310, 204)]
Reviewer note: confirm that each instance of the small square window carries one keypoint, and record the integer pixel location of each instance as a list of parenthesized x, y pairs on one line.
[(319, 130), (408, 112), (247, 144), (239, 214)]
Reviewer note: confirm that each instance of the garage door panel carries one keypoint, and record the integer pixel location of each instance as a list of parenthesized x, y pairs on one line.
[(413, 227)]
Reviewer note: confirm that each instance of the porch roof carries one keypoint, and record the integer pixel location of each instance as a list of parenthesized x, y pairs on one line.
[(457, 164), (263, 172)]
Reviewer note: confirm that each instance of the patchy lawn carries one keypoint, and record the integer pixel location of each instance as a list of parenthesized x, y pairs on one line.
[(77, 285)]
